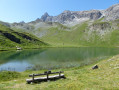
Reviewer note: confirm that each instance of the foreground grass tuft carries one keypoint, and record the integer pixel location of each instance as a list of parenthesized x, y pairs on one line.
[(8, 75)]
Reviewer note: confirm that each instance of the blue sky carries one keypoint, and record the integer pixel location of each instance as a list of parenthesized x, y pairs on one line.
[(29, 10)]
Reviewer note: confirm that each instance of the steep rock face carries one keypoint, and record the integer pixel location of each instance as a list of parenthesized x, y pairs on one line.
[(100, 26), (92, 15), (66, 17), (112, 13), (46, 17), (69, 16)]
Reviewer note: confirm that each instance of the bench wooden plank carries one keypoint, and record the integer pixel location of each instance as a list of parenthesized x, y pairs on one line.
[(45, 78), (45, 73)]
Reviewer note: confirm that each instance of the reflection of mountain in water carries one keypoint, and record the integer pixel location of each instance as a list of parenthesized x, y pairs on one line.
[(74, 54), (70, 57), (58, 57), (18, 55)]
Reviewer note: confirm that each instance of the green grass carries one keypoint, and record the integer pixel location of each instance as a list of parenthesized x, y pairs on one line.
[(58, 35), (106, 77), (61, 38), (8, 75), (81, 35), (9, 39)]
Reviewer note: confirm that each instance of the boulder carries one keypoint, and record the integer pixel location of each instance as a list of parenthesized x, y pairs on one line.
[(95, 67)]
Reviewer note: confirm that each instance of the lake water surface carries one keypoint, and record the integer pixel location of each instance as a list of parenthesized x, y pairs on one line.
[(53, 58)]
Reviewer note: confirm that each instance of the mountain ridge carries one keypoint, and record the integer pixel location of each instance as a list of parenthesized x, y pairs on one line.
[(67, 16), (75, 28)]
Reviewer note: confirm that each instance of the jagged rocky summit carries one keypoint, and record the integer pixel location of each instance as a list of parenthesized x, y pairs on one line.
[(67, 16), (71, 17)]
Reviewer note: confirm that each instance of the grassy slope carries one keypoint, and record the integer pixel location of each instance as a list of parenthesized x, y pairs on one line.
[(62, 38), (81, 35), (106, 77), (9, 39)]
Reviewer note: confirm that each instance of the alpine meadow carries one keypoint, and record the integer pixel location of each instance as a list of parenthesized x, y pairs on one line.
[(73, 50)]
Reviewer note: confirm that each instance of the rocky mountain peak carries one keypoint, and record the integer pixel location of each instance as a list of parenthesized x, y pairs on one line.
[(45, 16), (112, 13), (38, 20), (66, 11), (22, 22), (67, 16), (73, 17), (114, 7)]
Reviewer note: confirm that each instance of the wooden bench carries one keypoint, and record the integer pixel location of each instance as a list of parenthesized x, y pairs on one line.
[(47, 73)]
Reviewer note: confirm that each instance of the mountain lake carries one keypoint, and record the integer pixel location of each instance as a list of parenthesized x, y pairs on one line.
[(53, 58)]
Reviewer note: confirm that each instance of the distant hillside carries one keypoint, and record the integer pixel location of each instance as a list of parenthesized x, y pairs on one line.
[(96, 33), (70, 28), (9, 39)]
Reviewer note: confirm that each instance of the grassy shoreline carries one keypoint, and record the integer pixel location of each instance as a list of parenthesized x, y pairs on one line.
[(24, 48), (106, 77)]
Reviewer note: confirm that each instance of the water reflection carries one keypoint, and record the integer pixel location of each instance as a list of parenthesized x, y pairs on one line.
[(52, 58)]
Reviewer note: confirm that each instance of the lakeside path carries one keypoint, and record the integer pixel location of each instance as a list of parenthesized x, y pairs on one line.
[(84, 78)]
